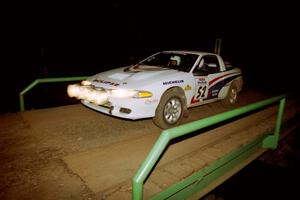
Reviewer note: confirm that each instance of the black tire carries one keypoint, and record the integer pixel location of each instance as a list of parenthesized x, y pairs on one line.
[(232, 95), (170, 109)]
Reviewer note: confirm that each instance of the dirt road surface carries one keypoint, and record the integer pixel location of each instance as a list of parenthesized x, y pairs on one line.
[(72, 152)]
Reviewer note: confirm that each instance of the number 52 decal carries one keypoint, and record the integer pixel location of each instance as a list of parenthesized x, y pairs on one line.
[(201, 92)]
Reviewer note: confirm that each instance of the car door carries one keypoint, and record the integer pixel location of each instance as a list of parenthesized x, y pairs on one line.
[(208, 79)]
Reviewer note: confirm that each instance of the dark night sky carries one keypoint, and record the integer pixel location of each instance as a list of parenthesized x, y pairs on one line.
[(82, 39)]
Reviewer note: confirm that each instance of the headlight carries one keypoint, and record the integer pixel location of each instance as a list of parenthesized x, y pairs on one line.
[(86, 83), (142, 94), (123, 93)]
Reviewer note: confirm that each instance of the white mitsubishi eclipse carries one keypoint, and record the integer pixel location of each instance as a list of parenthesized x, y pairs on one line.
[(162, 86)]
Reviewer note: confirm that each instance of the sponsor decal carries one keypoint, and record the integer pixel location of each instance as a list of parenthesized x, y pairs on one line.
[(201, 81), (173, 82), (188, 87), (106, 82), (150, 101), (214, 92)]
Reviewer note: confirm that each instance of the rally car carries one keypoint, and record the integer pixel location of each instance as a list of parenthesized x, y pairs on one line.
[(162, 86)]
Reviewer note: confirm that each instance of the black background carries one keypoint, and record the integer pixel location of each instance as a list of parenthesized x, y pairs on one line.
[(78, 39)]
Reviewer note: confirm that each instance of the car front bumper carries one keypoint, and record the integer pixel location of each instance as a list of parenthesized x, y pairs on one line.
[(129, 108)]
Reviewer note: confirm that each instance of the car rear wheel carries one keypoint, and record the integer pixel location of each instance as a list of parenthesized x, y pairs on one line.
[(232, 95), (170, 109)]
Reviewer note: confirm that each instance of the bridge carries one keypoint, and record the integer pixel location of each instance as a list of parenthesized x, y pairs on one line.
[(72, 152)]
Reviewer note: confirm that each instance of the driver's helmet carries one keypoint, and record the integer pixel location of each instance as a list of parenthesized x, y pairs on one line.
[(177, 59)]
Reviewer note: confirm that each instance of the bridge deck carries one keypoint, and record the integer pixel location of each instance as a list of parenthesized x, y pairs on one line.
[(72, 152)]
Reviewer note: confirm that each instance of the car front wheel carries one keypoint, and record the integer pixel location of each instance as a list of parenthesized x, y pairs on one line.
[(170, 110)]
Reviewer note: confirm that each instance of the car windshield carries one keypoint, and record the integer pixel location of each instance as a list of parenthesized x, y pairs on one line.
[(181, 62)]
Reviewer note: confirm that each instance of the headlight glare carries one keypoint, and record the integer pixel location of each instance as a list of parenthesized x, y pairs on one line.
[(86, 83)]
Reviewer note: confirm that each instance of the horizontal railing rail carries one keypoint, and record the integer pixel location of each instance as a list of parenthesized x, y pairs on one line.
[(167, 135), (44, 80)]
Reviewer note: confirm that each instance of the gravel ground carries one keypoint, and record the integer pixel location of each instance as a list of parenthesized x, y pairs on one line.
[(33, 143)]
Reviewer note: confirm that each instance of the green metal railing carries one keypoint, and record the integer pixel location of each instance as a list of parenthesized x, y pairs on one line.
[(45, 80), (167, 135)]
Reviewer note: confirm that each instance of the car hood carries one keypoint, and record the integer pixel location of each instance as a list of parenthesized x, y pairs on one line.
[(132, 76)]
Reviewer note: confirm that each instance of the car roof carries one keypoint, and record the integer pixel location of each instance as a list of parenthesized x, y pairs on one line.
[(189, 52)]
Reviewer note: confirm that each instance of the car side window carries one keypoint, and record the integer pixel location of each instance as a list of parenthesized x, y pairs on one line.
[(207, 65)]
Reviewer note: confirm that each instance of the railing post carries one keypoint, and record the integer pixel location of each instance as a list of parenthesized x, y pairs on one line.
[(137, 191), (21, 95), (148, 164), (21, 99), (272, 140)]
